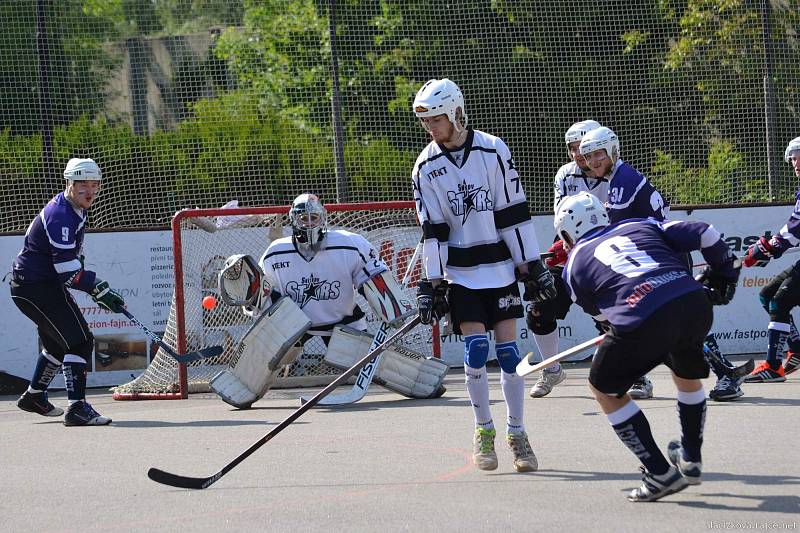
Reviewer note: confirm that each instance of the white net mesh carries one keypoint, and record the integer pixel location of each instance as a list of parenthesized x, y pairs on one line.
[(205, 238)]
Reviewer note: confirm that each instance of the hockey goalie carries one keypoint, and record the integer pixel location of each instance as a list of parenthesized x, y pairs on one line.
[(306, 285)]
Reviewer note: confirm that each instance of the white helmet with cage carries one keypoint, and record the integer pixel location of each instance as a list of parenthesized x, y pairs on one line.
[(579, 129), (601, 138), (82, 170), (441, 97), (794, 146), (576, 215), (308, 219)]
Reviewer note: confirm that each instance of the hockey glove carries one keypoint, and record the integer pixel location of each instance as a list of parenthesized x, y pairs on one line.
[(431, 301), (557, 255), (107, 298), (719, 288), (539, 283), (761, 252)]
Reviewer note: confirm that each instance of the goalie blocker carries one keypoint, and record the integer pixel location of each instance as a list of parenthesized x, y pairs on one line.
[(263, 351), (399, 369)]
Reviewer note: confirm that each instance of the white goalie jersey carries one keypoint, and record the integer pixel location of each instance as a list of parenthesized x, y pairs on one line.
[(474, 213), (325, 286), (571, 179)]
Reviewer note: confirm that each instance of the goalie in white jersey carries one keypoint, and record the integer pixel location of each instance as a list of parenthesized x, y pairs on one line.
[(477, 231), (305, 285)]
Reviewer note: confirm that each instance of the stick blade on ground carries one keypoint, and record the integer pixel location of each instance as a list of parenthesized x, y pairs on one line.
[(182, 482)]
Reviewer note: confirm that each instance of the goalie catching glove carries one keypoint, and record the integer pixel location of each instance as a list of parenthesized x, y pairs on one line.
[(761, 252), (263, 351), (399, 369), (242, 282)]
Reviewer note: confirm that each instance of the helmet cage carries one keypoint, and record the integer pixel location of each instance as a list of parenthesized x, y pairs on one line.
[(308, 219)]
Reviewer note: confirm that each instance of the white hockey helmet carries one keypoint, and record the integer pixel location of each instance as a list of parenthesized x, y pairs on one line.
[(601, 138), (578, 214), (82, 170), (794, 146), (309, 221), (440, 97), (579, 129)]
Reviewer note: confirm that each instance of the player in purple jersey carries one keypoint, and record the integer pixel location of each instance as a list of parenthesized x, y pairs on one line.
[(49, 263), (633, 276), (783, 291), (630, 195)]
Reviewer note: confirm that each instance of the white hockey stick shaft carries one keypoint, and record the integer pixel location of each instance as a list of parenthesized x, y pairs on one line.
[(526, 366), (367, 372)]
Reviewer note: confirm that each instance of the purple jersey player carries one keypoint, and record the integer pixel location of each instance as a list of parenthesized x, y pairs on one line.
[(782, 293), (49, 263), (632, 275)]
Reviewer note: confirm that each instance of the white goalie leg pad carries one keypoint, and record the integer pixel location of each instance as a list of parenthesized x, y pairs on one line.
[(263, 350), (386, 298), (400, 369)]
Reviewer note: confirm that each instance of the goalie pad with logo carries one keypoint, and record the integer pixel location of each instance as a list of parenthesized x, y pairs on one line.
[(263, 351), (399, 369), (386, 298)]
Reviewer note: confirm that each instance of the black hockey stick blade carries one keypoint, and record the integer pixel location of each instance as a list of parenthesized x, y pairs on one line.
[(184, 482), (205, 353), (743, 370)]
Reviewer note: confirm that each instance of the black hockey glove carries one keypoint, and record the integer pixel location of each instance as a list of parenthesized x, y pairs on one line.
[(107, 298), (539, 283), (719, 288), (432, 301)]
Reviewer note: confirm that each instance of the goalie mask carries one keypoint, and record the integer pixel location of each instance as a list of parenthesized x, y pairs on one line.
[(441, 97), (240, 281), (309, 221), (578, 214)]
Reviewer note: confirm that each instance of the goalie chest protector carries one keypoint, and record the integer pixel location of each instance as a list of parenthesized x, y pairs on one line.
[(324, 287)]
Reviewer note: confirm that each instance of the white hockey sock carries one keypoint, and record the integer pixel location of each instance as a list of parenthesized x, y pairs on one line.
[(548, 347), (478, 388), (514, 393)]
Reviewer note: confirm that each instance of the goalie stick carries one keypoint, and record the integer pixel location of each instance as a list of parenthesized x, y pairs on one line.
[(205, 353), (525, 366), (365, 375), (185, 482)]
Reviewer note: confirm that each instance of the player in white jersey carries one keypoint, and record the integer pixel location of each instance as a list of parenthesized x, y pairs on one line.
[(477, 230), (576, 176), (305, 285), (542, 317)]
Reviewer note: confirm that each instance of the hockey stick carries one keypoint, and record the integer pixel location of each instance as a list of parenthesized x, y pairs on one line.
[(185, 482), (364, 378), (205, 353), (525, 367), (733, 372)]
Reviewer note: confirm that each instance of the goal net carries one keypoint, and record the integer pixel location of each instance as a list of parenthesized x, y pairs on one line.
[(203, 238)]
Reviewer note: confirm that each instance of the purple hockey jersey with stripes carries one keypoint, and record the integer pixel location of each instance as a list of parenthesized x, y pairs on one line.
[(52, 247), (624, 272)]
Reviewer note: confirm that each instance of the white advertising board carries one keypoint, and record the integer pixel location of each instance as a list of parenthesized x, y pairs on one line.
[(139, 265)]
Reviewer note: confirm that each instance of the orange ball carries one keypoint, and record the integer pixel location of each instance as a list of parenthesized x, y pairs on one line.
[(209, 302)]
